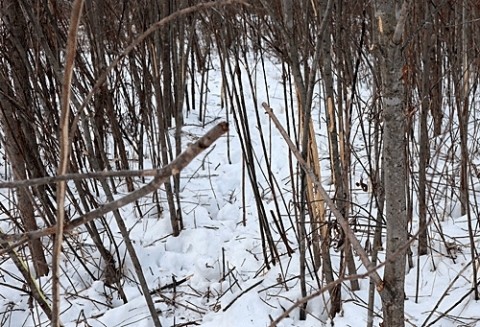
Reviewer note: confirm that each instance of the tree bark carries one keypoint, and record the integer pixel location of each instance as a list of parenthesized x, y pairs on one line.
[(390, 32)]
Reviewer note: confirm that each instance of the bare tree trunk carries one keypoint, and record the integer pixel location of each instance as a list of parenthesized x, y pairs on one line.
[(14, 96), (463, 119), (165, 101), (390, 32), (423, 142), (436, 83), (377, 177), (335, 162), (462, 108), (344, 83)]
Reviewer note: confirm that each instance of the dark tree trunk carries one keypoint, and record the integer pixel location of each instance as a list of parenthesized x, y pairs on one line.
[(17, 120)]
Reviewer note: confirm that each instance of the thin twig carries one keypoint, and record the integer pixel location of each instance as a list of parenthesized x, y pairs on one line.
[(242, 293)]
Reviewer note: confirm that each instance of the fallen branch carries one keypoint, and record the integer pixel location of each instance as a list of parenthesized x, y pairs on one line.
[(35, 290), (182, 161), (242, 293), (341, 220), (303, 300)]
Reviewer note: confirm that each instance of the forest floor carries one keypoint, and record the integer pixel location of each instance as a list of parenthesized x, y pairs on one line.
[(213, 274)]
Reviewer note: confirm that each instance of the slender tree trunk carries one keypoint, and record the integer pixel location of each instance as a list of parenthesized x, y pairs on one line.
[(344, 83), (19, 134), (390, 32), (463, 118), (165, 101), (423, 142), (462, 108), (436, 78), (335, 163)]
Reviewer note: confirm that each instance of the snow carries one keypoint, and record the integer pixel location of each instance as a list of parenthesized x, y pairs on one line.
[(217, 263)]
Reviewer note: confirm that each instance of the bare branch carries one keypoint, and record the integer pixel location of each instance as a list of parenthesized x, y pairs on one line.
[(341, 220), (177, 165), (80, 176), (64, 157)]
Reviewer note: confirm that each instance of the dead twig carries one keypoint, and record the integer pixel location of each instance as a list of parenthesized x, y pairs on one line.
[(242, 293)]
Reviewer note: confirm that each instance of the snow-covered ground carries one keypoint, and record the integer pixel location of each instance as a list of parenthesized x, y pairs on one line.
[(213, 273)]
